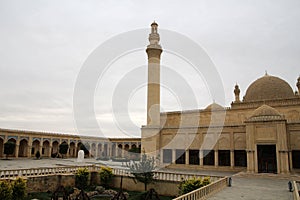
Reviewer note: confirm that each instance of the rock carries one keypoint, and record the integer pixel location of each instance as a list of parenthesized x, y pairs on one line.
[(110, 192), (100, 189), (126, 195)]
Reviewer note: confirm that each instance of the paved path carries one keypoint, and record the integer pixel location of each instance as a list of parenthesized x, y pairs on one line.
[(246, 188), (51, 162)]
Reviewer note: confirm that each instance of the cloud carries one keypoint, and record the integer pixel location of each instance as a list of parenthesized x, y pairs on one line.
[(45, 43)]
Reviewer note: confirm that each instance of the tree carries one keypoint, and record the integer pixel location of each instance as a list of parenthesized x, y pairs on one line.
[(9, 148), (63, 148), (18, 189), (143, 170), (5, 190), (106, 176), (81, 178)]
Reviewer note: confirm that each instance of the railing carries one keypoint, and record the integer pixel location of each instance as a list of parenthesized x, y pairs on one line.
[(204, 192), (217, 184), (296, 190), (4, 174), (166, 176)]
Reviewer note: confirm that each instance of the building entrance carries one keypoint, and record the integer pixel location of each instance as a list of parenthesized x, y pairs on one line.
[(266, 157)]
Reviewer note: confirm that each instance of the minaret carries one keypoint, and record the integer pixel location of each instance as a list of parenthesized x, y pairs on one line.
[(154, 51), (237, 93)]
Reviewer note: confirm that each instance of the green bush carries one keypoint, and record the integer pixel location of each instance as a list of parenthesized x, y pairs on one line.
[(106, 176), (206, 181), (189, 185), (18, 189), (5, 190), (81, 178)]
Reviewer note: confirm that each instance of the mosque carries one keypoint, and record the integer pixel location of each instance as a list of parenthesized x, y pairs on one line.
[(259, 133)]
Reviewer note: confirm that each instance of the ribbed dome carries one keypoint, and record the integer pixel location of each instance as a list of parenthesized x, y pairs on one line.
[(265, 112), (214, 106), (268, 87)]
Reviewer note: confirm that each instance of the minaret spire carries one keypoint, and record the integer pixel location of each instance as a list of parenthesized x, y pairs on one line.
[(298, 85), (154, 37)]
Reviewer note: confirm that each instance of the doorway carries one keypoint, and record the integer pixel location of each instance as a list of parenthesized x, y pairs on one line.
[(266, 157)]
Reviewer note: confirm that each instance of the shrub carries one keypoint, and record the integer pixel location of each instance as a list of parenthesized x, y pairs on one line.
[(189, 185), (106, 176), (143, 171), (18, 189), (81, 178), (206, 181), (5, 190)]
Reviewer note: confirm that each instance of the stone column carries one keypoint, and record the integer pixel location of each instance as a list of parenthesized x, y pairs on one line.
[(291, 161), (41, 149), (17, 150), (216, 158), (173, 156), (187, 157), (201, 157), (68, 152), (123, 150), (49, 150), (97, 150), (250, 161), (231, 159)]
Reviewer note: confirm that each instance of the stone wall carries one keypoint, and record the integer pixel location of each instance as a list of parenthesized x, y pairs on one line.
[(50, 183), (165, 188)]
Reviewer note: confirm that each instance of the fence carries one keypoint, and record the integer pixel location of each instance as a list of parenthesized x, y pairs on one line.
[(166, 176), (204, 192), (217, 184), (296, 190)]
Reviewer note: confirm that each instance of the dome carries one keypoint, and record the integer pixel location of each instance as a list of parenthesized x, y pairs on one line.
[(214, 106), (265, 112), (268, 87)]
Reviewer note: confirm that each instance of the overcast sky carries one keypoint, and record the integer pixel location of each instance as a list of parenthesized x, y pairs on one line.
[(43, 45)]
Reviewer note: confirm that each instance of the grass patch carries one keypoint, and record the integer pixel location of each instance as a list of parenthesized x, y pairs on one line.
[(39, 195)]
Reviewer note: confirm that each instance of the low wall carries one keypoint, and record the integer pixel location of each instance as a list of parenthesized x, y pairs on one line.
[(48, 179), (165, 188), (49, 182), (296, 191)]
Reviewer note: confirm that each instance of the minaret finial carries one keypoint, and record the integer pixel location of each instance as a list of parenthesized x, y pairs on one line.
[(298, 85), (154, 36), (266, 73), (237, 93)]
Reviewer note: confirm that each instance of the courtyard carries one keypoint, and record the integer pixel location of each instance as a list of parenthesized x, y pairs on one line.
[(244, 186)]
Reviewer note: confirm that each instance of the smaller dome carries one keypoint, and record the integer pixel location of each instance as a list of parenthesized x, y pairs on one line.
[(213, 107), (265, 112)]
